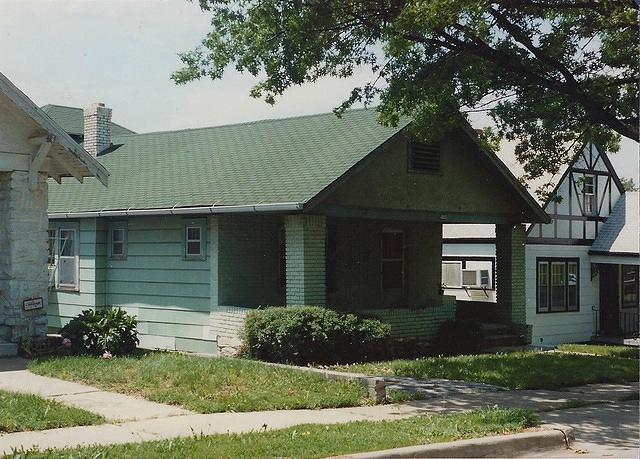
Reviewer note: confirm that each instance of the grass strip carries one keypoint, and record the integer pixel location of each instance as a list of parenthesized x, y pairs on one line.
[(515, 370), (313, 440), (627, 352), (206, 385), (22, 412)]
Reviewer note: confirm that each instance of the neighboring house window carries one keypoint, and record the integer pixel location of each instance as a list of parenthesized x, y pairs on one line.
[(67, 270), (452, 274), (589, 195), (392, 260), (629, 286), (424, 157), (330, 258), (118, 241), (194, 242), (543, 286), (558, 285)]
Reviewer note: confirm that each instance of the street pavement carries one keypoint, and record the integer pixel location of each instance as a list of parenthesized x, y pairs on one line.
[(604, 430)]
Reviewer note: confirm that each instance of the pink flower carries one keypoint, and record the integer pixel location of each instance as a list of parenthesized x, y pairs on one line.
[(106, 355), (66, 343)]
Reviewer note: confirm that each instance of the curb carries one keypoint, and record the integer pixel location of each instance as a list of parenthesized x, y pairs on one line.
[(551, 437), (376, 386)]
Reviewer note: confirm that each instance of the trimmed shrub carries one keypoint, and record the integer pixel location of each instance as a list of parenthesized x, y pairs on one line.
[(456, 337), (102, 332), (309, 334)]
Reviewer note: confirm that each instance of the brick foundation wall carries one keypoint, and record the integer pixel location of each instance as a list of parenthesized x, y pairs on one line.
[(416, 322)]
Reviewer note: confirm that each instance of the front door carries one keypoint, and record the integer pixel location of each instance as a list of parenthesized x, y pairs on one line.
[(609, 300), (393, 275)]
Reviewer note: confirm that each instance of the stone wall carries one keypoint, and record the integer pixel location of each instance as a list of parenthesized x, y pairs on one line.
[(23, 255)]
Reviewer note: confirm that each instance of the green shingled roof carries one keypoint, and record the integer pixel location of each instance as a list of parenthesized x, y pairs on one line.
[(274, 161), (72, 121)]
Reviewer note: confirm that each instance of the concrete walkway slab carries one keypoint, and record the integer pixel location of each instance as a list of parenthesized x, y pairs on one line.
[(113, 406), (433, 388)]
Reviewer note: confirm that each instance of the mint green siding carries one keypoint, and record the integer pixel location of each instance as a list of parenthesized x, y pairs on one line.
[(167, 292)]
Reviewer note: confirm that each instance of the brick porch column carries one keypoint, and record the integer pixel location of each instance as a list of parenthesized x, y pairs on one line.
[(510, 273), (305, 255)]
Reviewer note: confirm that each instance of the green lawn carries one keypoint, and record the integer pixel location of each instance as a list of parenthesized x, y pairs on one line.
[(20, 412), (602, 349), (311, 441), (516, 370), (206, 385)]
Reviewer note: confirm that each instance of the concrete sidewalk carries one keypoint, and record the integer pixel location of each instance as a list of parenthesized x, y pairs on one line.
[(114, 407), (187, 425), (135, 419)]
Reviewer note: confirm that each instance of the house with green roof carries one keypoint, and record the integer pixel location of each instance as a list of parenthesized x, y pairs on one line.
[(199, 226)]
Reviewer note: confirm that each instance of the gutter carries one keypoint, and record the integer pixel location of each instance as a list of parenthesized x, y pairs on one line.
[(247, 208)]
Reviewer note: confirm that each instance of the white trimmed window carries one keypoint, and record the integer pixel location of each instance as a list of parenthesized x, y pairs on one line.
[(52, 256), (194, 242), (589, 194), (558, 283), (118, 241), (67, 266)]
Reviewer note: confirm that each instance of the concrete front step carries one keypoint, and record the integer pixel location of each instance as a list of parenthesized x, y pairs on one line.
[(492, 329), (501, 341), (8, 349)]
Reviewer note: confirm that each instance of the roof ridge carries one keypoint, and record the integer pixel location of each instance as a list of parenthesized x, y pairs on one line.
[(245, 123), (61, 106)]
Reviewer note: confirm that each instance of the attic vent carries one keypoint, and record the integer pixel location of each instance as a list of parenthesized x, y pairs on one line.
[(424, 157)]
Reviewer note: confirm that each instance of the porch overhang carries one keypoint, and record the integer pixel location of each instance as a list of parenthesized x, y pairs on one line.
[(614, 258), (65, 157), (414, 215)]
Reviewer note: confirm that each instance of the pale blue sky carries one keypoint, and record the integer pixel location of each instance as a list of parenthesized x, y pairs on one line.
[(122, 52)]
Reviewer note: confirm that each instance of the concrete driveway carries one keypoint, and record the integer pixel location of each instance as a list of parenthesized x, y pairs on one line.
[(606, 430)]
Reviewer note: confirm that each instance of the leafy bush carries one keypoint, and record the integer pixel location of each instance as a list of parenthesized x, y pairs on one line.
[(456, 337), (102, 332), (309, 334)]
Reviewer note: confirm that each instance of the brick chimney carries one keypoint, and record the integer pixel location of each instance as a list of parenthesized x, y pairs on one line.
[(97, 128)]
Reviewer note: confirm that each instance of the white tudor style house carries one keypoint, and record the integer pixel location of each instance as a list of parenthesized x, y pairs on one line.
[(32, 148), (581, 268)]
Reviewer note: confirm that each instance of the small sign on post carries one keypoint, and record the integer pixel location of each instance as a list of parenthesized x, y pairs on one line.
[(31, 304)]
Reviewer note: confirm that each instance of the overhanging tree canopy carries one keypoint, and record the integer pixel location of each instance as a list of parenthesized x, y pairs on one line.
[(549, 72)]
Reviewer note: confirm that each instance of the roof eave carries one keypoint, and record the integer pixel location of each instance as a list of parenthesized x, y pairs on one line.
[(91, 166), (538, 214)]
